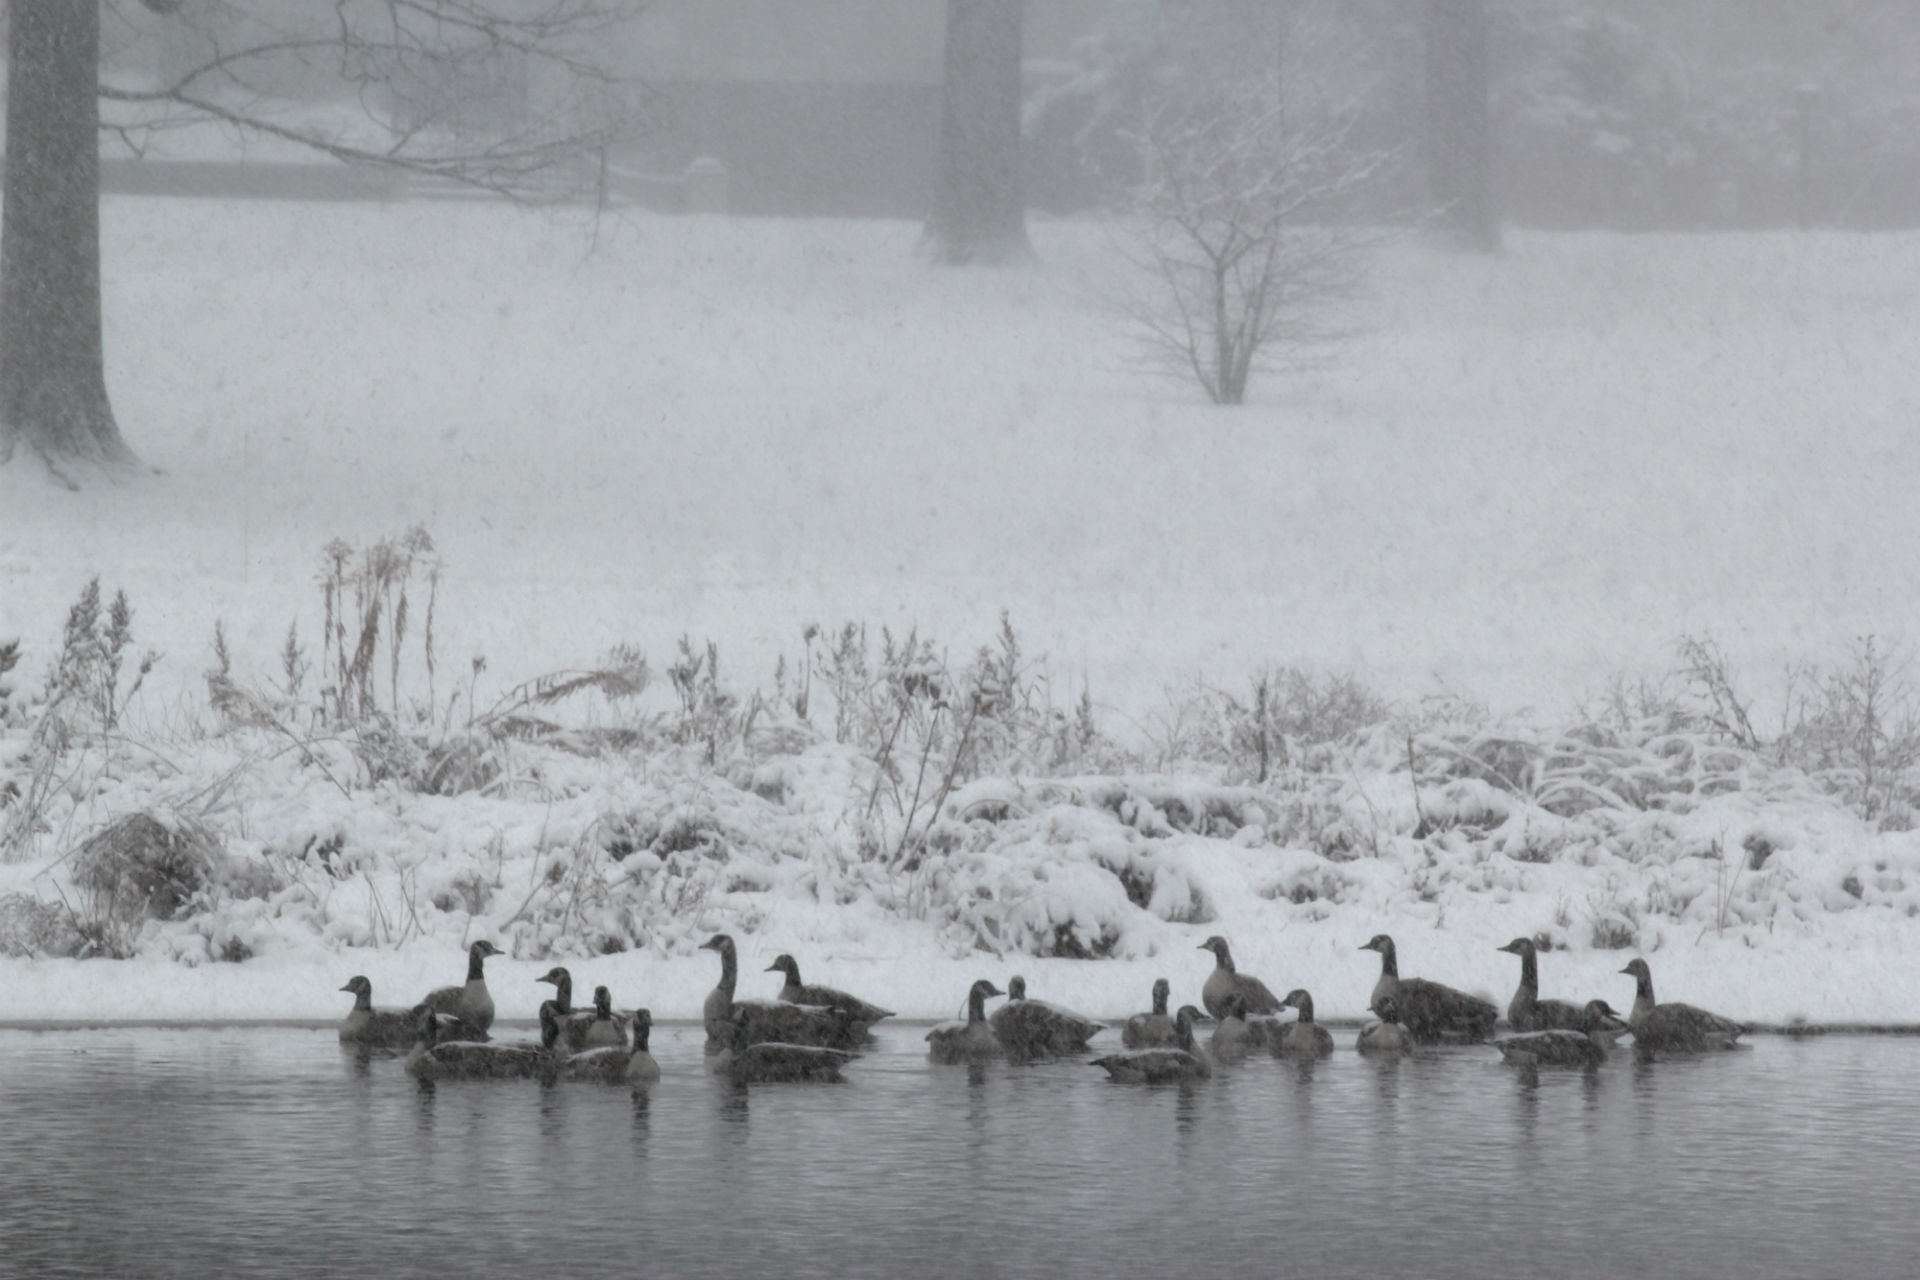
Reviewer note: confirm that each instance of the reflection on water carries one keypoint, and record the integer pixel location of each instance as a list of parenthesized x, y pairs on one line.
[(270, 1152)]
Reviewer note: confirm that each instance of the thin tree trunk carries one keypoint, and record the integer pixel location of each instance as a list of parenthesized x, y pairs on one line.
[(53, 393), (979, 200), (1459, 131)]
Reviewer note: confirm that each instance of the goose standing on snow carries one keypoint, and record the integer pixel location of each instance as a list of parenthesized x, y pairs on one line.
[(1303, 1037), (1225, 981), (434, 1059), (1431, 1011), (1154, 1029), (1584, 1046), (1527, 1011), (392, 1028), (798, 992), (972, 1040), (1679, 1027), (471, 1003), (1030, 1029), (1184, 1061), (1387, 1037)]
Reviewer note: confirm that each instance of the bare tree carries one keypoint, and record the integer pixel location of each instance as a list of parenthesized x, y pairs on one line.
[(1244, 234), (407, 64), (979, 199)]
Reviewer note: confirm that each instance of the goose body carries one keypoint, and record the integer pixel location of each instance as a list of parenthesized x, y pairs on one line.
[(1184, 1061), (1030, 1029), (972, 1040), (642, 1070), (1153, 1029), (1566, 1046), (1527, 1011), (773, 1061), (795, 991), (604, 1030), (804, 1024), (471, 1003), (1303, 1037), (1387, 1037), (1225, 980), (1675, 1027), (568, 1025), (432, 1059), (392, 1028), (1240, 1033), (1432, 1012), (717, 1012)]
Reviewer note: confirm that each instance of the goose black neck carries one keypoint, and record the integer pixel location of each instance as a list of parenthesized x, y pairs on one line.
[(1306, 1010), (1225, 958), (1643, 987), (1183, 1034), (1160, 1001), (563, 993), (1389, 963), (793, 973), (729, 970), (641, 1030), (976, 1006), (363, 1000), (476, 958), (1529, 973)]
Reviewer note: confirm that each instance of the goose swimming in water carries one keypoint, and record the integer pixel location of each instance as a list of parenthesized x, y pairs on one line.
[(1303, 1037), (1585, 1046), (1225, 980), (1030, 1029), (798, 992), (642, 1070), (1527, 1011), (472, 1003), (1431, 1011), (1679, 1027), (1153, 1029), (972, 1040), (1387, 1037), (433, 1059), (771, 1061), (1239, 1033), (771, 1020), (570, 1024), (392, 1028), (1184, 1061)]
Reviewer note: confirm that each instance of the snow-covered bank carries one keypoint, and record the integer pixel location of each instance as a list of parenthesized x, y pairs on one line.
[(1530, 474)]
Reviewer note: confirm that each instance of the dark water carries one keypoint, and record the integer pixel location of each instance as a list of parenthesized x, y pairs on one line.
[(268, 1152)]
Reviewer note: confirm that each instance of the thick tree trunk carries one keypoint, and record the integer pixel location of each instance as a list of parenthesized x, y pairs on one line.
[(1459, 131), (53, 393), (979, 199)]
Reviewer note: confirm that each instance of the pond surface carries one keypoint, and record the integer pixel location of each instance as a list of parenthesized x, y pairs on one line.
[(264, 1151)]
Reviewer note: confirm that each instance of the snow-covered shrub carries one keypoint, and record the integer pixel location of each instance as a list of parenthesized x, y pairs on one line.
[(30, 927), (146, 865)]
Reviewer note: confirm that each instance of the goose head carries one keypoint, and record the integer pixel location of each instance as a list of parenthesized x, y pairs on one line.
[(788, 965), (1016, 988), (1218, 945), (359, 986), (1601, 1016), (1300, 1000), (1161, 990), (602, 1003), (721, 942), (426, 1022), (482, 949), (1638, 969), (1519, 947), (1380, 942), (1387, 1009)]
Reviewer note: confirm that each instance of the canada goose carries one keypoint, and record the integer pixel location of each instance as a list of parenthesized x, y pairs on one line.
[(604, 1030), (569, 1024), (1387, 1037), (1153, 1030), (1674, 1026), (717, 1012), (1239, 1034), (471, 1003), (1527, 1011), (1184, 1061), (1431, 1011), (432, 1059), (972, 1040), (1566, 1046), (392, 1028), (1030, 1029), (1303, 1037), (770, 1061), (797, 992), (1225, 980), (642, 1070)]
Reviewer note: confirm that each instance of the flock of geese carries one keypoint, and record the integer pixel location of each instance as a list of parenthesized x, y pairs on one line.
[(809, 1032)]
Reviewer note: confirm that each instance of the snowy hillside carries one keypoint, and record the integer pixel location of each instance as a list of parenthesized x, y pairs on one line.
[(1523, 484)]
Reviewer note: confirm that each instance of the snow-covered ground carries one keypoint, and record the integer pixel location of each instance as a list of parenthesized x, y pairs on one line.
[(1530, 473)]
